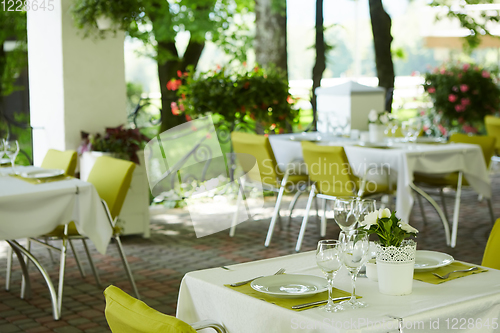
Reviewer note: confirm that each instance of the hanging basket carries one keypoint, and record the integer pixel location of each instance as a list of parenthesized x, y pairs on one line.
[(395, 268)]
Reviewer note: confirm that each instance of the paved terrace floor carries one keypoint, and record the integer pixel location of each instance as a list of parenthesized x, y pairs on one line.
[(159, 263)]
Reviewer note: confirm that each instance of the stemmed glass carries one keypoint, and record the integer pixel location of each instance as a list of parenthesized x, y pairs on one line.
[(343, 213), (11, 150), (327, 258), (363, 207), (2, 149), (355, 250)]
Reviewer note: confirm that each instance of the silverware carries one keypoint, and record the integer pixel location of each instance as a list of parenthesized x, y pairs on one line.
[(237, 284), (444, 277), (305, 305)]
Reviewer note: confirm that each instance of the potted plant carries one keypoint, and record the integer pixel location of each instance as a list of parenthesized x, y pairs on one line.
[(395, 252), (377, 123), (105, 15), (258, 98), (462, 95)]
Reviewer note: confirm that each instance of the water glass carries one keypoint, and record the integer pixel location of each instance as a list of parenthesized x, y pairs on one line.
[(343, 213), (363, 207), (354, 253), (11, 149), (327, 259)]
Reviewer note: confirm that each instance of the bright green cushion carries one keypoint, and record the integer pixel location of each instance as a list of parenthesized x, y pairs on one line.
[(126, 314)]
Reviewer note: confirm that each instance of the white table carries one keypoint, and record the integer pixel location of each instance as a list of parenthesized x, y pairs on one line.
[(403, 160), (31, 210), (203, 296)]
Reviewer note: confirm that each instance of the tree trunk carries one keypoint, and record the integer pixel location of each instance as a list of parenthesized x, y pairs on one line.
[(270, 33), (382, 39), (320, 65), (167, 71)]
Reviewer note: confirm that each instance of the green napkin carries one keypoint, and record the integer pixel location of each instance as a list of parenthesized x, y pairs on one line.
[(287, 303), (37, 181), (430, 278)]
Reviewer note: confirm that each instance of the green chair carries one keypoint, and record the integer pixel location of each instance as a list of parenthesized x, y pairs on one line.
[(491, 256), (126, 314), (455, 180), (492, 125), (270, 174), (63, 160), (111, 178), (332, 177)]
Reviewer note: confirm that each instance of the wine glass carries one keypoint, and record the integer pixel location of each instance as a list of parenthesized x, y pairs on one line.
[(343, 213), (11, 149), (354, 252), (2, 149), (405, 129), (415, 125), (327, 258), (363, 207)]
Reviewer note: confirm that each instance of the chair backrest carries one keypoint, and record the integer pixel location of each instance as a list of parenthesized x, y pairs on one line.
[(491, 257), (63, 160), (487, 143), (329, 167), (492, 125), (259, 147), (126, 314), (112, 177)]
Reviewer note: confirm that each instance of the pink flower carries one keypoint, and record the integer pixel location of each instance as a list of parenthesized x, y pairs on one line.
[(459, 108), (175, 109), (173, 84), (485, 74), (469, 129), (466, 67), (188, 118), (442, 129), (461, 120), (464, 88), (181, 106), (465, 101), (442, 71), (452, 98), (422, 113), (431, 90), (425, 128)]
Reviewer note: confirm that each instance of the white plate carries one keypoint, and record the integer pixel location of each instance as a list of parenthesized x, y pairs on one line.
[(429, 260), (42, 173), (369, 144), (430, 140), (290, 285)]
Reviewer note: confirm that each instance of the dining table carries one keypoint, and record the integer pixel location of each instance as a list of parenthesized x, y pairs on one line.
[(467, 304), (31, 207), (400, 160)]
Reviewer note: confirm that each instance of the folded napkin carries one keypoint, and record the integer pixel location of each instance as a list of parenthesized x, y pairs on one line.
[(287, 303), (37, 181), (454, 266)]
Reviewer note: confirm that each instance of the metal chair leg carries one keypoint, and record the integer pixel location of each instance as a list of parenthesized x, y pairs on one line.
[(276, 210), (126, 266), (78, 264), (25, 277), (292, 206), (422, 211), (62, 266), (8, 272), (92, 266), (302, 231), (280, 224), (492, 215), (232, 230), (443, 202), (456, 211)]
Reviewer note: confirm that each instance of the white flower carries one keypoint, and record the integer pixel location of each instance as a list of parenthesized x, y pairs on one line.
[(384, 213), (370, 219), (384, 119), (408, 228), (372, 116)]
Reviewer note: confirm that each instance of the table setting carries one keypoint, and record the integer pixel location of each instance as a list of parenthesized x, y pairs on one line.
[(356, 283)]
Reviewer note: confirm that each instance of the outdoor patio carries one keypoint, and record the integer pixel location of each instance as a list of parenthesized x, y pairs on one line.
[(159, 263)]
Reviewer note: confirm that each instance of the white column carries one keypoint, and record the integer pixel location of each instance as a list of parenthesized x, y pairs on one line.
[(76, 84)]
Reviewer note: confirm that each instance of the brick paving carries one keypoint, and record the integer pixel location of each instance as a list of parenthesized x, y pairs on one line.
[(159, 263)]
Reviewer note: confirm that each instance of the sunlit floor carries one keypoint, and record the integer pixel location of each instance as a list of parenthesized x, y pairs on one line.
[(160, 262)]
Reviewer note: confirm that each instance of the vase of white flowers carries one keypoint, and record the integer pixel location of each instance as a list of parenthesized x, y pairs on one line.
[(395, 252), (377, 124)]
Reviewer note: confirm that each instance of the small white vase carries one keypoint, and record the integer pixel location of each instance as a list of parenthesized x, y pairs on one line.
[(376, 132), (104, 22), (395, 268)]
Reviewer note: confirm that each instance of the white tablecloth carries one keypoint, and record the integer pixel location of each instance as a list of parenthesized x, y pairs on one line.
[(29, 210), (403, 160), (203, 296)]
